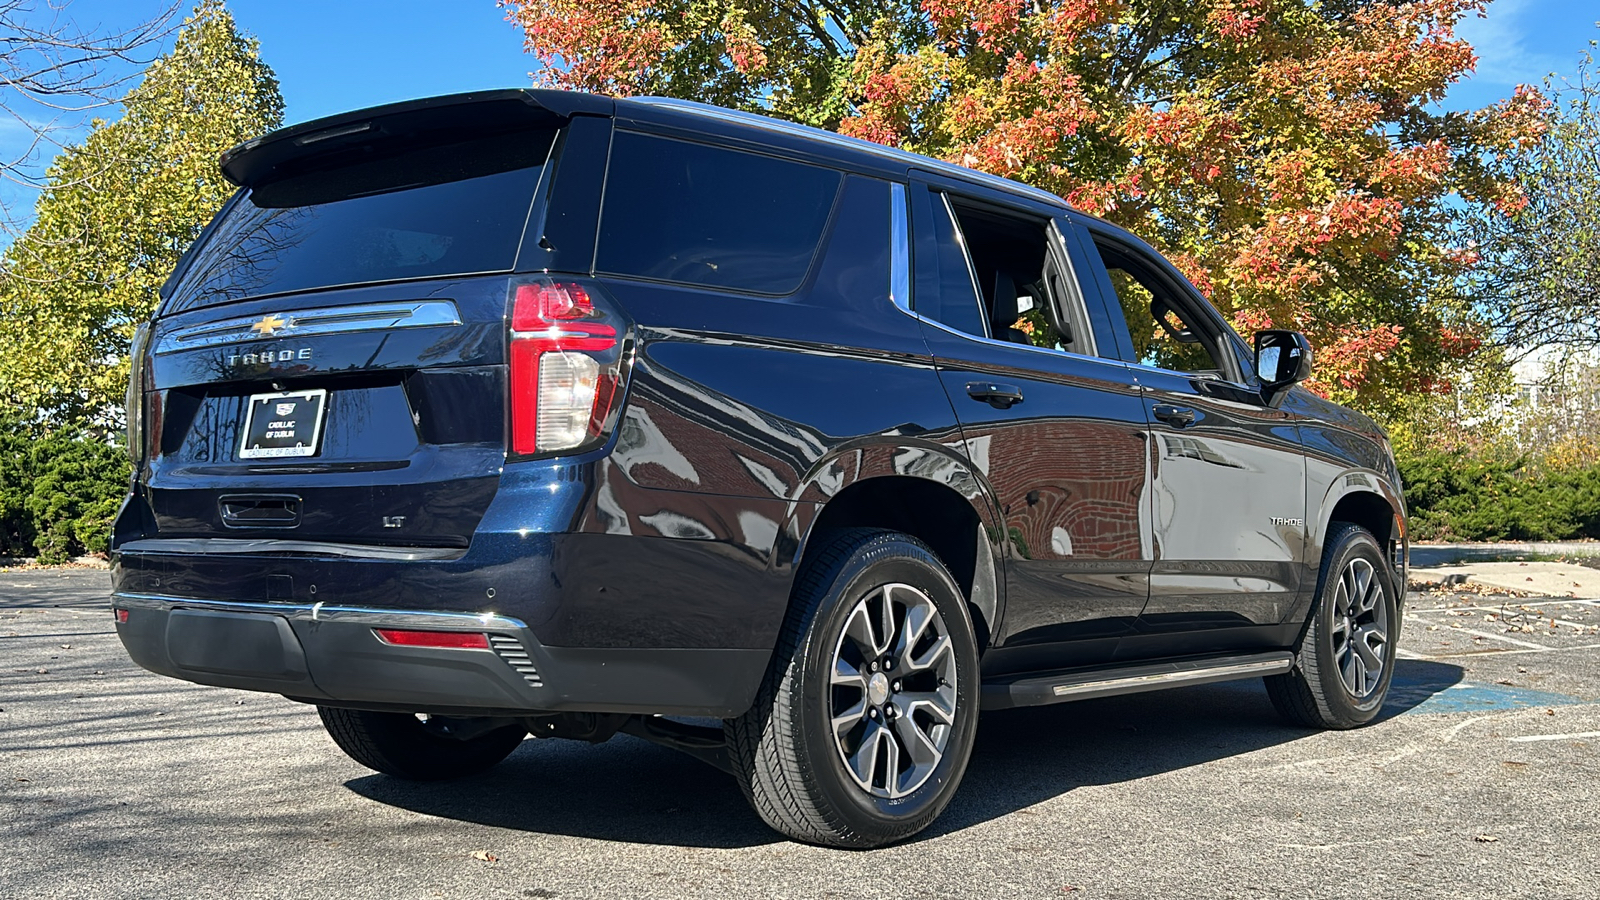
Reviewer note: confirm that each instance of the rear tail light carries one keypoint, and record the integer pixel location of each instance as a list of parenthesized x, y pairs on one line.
[(136, 388), (445, 640), (566, 365)]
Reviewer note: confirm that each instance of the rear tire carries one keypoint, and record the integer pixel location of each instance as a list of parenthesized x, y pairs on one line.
[(1346, 656), (865, 721), (399, 744)]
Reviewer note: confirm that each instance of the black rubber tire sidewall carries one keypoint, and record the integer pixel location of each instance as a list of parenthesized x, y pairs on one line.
[(398, 744), (887, 560), (1353, 542)]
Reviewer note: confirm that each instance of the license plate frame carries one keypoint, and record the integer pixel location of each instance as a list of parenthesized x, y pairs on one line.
[(273, 441)]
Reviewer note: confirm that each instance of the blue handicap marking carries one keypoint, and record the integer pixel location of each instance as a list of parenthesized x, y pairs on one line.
[(1467, 696)]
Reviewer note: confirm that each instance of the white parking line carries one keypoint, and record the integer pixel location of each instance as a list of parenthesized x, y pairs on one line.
[(1510, 640), (1507, 605), (1578, 625), (1511, 652), (1576, 735)]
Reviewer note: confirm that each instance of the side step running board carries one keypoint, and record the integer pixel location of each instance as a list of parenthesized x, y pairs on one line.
[(1059, 688)]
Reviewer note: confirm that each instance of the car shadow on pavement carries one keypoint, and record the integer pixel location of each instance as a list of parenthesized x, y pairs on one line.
[(631, 791)]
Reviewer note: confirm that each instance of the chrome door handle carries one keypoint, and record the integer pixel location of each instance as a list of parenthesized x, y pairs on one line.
[(1176, 416), (999, 396)]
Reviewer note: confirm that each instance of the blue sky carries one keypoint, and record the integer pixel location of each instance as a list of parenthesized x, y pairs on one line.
[(334, 55)]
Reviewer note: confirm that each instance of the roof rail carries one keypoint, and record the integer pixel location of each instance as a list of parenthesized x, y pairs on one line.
[(779, 126)]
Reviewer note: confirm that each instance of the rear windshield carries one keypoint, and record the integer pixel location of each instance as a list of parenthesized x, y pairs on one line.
[(446, 209)]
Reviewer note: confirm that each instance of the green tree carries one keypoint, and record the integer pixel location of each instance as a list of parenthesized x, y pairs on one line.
[(119, 210)]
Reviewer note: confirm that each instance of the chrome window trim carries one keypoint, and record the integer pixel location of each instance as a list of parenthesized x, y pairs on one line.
[(322, 612), (779, 126), (1114, 363), (311, 322), (899, 247)]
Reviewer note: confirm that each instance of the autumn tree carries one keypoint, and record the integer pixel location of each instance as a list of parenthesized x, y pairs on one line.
[(1288, 156), (118, 211)]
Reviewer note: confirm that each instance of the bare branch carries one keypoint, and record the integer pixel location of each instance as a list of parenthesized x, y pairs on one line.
[(53, 68)]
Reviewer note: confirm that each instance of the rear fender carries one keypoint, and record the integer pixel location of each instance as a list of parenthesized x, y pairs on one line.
[(927, 481)]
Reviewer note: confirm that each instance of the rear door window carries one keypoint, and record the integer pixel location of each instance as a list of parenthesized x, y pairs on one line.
[(694, 214), (421, 212)]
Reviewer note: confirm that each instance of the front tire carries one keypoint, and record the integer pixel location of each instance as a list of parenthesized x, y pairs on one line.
[(862, 729), (399, 744), (1345, 661)]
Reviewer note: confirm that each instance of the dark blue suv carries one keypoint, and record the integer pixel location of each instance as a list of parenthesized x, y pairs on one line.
[(532, 412)]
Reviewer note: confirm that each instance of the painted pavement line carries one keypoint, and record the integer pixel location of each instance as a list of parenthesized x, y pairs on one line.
[(1568, 622), (1509, 652), (1510, 640), (1506, 612), (1446, 609), (1577, 735)]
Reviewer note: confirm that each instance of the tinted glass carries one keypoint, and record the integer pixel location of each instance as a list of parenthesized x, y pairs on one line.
[(956, 303), (677, 211), (451, 209), (1161, 338)]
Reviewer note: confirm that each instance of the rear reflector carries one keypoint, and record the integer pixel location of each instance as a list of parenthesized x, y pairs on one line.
[(448, 640), (122, 616)]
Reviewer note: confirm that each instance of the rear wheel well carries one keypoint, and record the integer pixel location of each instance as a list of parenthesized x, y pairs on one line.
[(932, 513)]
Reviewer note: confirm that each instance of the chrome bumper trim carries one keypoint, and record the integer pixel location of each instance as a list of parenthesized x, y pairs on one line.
[(322, 612), (281, 547)]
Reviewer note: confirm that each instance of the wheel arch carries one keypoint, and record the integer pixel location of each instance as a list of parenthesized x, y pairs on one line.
[(948, 513), (1367, 499)]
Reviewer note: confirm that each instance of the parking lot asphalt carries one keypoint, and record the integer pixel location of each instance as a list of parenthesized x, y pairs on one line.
[(1479, 781)]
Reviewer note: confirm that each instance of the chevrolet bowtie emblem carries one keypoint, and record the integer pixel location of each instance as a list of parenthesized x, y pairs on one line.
[(269, 325)]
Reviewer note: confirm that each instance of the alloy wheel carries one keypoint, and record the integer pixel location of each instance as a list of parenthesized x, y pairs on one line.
[(893, 690), (1360, 629)]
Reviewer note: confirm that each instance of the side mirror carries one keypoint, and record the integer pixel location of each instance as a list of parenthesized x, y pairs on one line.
[(1283, 360)]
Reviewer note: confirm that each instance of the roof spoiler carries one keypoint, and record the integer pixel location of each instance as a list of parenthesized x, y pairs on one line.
[(307, 145)]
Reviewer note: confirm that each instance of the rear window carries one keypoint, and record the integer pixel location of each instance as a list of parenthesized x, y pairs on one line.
[(693, 214), (423, 212)]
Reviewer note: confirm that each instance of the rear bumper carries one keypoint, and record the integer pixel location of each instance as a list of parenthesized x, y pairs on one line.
[(330, 655)]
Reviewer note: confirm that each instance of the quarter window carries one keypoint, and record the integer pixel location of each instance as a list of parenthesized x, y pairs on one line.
[(693, 214)]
